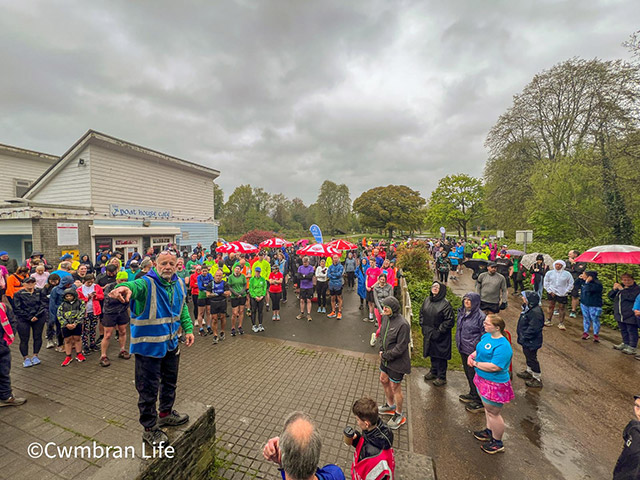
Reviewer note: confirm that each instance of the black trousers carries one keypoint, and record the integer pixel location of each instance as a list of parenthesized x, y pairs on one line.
[(351, 279), (256, 311), (439, 367), (321, 288), (517, 283), (443, 276), (532, 359), (470, 372), (275, 300), (24, 331), (195, 305), (155, 375), (5, 370), (284, 290)]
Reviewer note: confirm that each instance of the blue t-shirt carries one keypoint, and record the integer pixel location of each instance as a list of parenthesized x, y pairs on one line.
[(453, 256), (328, 472), (497, 351)]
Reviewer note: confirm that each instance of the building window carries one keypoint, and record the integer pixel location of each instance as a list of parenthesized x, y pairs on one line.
[(21, 186)]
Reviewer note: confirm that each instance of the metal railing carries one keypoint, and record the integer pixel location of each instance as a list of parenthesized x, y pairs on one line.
[(407, 312)]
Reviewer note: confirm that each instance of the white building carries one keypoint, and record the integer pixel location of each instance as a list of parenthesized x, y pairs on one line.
[(105, 193)]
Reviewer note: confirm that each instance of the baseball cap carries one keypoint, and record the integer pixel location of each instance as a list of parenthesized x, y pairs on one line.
[(258, 269), (492, 264), (134, 262), (29, 280)]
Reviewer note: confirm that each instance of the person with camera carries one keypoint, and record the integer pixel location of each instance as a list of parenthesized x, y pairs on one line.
[(297, 451)]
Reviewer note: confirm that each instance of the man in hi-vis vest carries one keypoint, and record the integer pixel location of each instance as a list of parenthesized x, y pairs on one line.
[(158, 310)]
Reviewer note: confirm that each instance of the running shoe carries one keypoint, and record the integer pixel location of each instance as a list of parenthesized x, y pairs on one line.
[(173, 419), (585, 336), (308, 318), (35, 361), (66, 361), (466, 398), (124, 355), (474, 408), (397, 421), (430, 376), (233, 332), (273, 318), (201, 332), (27, 363), (525, 374), (339, 316), (267, 306), (240, 331), (621, 346), (80, 357), (104, 362), (209, 331), (629, 350), (573, 315), (50, 344), (548, 323), (483, 435), (300, 316), (372, 342), (365, 319), (278, 317), (215, 339), (387, 409), (439, 382), (494, 446), (255, 329), (221, 335), (260, 328), (155, 437), (332, 314), (556, 312), (319, 309), (596, 339), (561, 326), (533, 383)]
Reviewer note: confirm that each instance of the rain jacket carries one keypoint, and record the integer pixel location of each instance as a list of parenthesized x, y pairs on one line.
[(437, 320), (395, 334), (335, 273), (373, 457), (531, 322), (257, 287), (380, 293), (470, 325), (558, 282), (71, 312), (623, 304), (361, 275), (350, 265), (628, 464), (590, 292), (28, 305), (97, 308), (86, 260), (57, 294), (136, 256)]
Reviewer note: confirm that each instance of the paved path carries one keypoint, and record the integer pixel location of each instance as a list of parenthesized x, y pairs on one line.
[(253, 381), (571, 429)]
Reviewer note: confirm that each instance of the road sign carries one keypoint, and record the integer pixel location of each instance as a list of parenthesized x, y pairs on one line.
[(523, 237)]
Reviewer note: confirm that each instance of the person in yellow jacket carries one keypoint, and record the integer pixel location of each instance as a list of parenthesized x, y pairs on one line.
[(225, 270), (265, 270)]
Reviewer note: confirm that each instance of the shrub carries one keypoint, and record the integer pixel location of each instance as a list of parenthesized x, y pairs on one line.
[(254, 237), (414, 260)]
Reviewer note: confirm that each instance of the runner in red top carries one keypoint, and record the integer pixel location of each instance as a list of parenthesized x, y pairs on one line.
[(275, 292)]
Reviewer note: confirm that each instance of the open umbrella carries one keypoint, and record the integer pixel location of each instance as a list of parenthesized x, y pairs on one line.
[(237, 247), (226, 248), (627, 254), (318, 250), (342, 245), (515, 253), (275, 242), (478, 265), (530, 258)]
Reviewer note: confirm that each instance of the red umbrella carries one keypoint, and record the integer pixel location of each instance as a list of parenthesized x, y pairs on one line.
[(318, 250), (611, 254), (343, 245), (275, 242), (237, 247)]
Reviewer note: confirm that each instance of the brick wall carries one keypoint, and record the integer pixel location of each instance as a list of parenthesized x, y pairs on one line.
[(45, 238)]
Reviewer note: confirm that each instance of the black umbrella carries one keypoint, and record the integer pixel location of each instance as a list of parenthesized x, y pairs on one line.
[(478, 265)]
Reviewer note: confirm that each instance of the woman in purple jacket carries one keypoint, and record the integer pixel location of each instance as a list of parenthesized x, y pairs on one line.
[(468, 332)]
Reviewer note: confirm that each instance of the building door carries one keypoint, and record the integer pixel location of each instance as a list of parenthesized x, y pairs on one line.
[(27, 248)]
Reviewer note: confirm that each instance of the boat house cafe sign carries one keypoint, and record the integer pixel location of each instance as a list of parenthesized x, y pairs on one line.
[(129, 211)]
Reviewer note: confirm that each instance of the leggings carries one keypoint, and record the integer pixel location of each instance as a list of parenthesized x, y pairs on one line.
[(256, 311), (470, 373), (275, 300), (351, 279), (89, 331), (321, 288), (24, 331), (443, 276), (591, 315), (194, 297)]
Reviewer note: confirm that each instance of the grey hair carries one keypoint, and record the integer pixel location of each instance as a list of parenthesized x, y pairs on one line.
[(146, 262), (300, 456), (65, 265)]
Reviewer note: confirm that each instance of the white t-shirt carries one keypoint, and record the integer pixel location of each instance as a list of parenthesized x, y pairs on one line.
[(321, 273), (86, 291)]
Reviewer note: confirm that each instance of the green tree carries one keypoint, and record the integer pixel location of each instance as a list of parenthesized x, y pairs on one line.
[(333, 207), (456, 201), (390, 208), (300, 213), (281, 210), (218, 202)]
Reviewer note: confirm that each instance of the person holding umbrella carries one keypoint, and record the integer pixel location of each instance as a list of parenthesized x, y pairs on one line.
[(623, 295)]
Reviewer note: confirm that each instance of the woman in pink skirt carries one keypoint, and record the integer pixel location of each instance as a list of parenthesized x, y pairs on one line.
[(491, 360)]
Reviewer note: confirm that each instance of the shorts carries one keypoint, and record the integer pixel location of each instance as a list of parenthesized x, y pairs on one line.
[(575, 292), (238, 301), (492, 307), (306, 293), (218, 307), (370, 296), (335, 293), (76, 332), (559, 299), (113, 319), (394, 376), (203, 302)]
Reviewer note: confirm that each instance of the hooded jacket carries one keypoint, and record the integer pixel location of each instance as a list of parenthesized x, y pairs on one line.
[(558, 282), (628, 464), (86, 260), (361, 275), (28, 305), (590, 292), (395, 334), (437, 320), (623, 301), (57, 294), (470, 325), (531, 322), (380, 293), (377, 439), (71, 312)]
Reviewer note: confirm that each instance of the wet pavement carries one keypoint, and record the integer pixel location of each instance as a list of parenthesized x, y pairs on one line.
[(570, 429)]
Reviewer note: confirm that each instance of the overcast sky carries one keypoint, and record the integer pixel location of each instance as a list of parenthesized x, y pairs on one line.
[(286, 94)]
